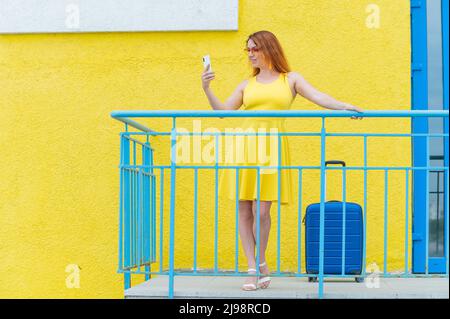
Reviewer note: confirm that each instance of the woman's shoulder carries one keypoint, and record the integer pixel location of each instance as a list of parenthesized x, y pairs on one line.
[(244, 83), (293, 75)]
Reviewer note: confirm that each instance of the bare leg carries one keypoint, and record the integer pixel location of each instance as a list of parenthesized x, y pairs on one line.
[(264, 227), (264, 230), (247, 237)]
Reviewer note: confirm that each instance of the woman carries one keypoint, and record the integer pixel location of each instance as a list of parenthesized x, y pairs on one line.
[(272, 87)]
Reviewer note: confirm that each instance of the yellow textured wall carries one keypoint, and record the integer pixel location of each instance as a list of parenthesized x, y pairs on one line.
[(60, 148)]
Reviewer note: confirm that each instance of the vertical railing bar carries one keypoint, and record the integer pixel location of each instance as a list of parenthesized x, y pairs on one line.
[(427, 211), (365, 209), (161, 219), (446, 215), (125, 159), (152, 208), (344, 220), (258, 222), (135, 204), (172, 209), (322, 209), (121, 182), (145, 241), (438, 173), (154, 218), (143, 218), (138, 220), (127, 212), (138, 217), (299, 223), (136, 209), (133, 218), (406, 221), (195, 217), (151, 224), (134, 154), (216, 205), (146, 209), (153, 181), (236, 237), (385, 221), (130, 224), (278, 205)]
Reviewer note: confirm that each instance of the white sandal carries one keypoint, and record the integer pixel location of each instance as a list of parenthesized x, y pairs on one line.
[(263, 279), (250, 287)]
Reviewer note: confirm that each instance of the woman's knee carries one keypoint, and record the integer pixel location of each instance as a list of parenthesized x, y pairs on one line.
[(264, 210), (245, 209)]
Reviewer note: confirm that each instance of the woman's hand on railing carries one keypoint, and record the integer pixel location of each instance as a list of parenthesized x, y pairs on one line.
[(349, 107), (207, 77)]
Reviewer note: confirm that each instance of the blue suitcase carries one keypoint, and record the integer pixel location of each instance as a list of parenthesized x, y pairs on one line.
[(333, 238)]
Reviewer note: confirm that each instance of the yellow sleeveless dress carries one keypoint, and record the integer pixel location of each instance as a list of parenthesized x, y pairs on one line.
[(260, 150)]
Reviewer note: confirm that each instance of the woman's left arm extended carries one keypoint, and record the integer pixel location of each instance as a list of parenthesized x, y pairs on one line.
[(309, 92)]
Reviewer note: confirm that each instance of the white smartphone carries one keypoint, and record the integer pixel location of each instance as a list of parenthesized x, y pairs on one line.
[(206, 61)]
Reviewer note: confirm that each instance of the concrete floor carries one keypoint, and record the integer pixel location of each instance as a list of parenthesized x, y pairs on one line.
[(290, 287)]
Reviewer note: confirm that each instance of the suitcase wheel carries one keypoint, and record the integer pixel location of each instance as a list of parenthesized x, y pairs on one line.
[(312, 279), (359, 279)]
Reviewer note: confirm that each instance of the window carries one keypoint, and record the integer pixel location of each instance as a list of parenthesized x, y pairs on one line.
[(436, 125), (41, 16)]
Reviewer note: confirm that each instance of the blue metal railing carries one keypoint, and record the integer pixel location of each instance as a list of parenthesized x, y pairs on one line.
[(138, 189)]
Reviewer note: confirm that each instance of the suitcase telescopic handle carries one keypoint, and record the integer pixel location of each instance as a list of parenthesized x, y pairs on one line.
[(335, 162), (330, 201)]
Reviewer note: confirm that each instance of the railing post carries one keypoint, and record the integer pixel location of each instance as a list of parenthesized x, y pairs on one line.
[(125, 160), (236, 231), (427, 201), (153, 208), (216, 204), (385, 247), (139, 218), (146, 161), (364, 258), (446, 216), (258, 222), (195, 217), (161, 219), (278, 204), (344, 220), (406, 220), (173, 140), (299, 223), (120, 266), (322, 208), (134, 203)]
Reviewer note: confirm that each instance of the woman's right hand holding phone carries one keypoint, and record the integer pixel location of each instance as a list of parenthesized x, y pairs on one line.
[(207, 77)]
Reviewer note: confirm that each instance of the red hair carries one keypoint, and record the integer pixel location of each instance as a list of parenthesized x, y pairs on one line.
[(270, 47)]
